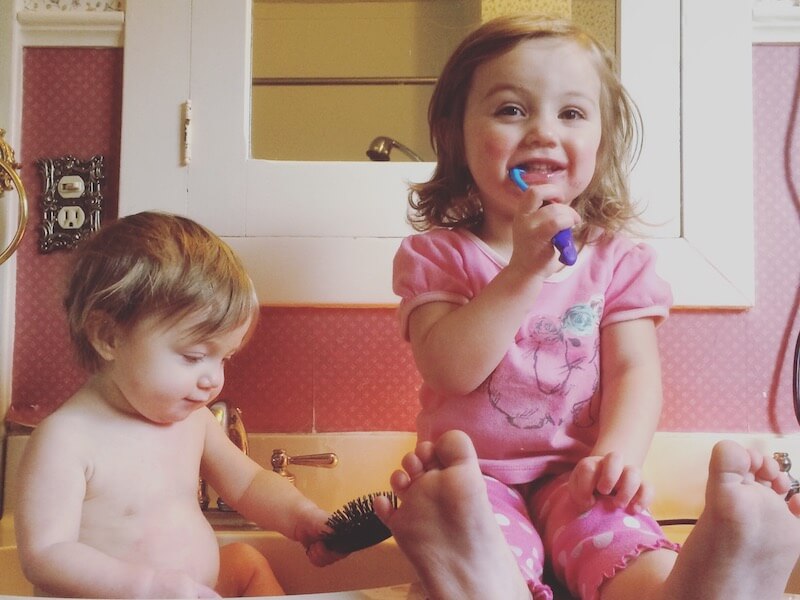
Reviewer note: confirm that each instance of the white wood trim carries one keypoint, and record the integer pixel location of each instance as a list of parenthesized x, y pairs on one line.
[(776, 23), (709, 261), (10, 120), (659, 101), (717, 163), (72, 28)]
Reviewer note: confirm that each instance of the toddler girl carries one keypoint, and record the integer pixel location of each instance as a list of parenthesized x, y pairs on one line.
[(552, 371)]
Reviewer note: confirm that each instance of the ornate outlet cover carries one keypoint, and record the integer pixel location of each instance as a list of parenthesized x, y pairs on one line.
[(72, 200)]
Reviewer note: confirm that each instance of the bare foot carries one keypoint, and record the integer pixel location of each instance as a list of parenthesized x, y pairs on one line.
[(446, 527), (747, 539)]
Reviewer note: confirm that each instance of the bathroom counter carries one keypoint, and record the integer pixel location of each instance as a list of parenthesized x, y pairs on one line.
[(676, 465)]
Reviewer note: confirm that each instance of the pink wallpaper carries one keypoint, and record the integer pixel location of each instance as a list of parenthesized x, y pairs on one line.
[(346, 369), (71, 103)]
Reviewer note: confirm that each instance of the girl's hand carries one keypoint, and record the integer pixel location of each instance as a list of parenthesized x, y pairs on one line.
[(541, 214), (609, 476)]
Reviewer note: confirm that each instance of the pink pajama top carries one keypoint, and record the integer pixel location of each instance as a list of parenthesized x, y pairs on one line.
[(537, 412)]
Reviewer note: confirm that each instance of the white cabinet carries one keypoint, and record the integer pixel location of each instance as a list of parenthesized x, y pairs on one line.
[(315, 233)]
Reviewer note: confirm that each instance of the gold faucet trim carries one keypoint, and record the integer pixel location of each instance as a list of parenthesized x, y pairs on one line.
[(281, 461)]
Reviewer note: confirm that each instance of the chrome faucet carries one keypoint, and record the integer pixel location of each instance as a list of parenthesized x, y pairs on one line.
[(281, 460), (785, 463), (230, 419)]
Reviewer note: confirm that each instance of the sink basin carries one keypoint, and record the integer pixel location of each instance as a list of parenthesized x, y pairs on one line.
[(382, 565), (381, 572), (675, 465), (221, 520)]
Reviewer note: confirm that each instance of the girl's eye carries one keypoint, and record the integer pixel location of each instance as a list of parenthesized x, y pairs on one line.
[(510, 111), (193, 358), (571, 114)]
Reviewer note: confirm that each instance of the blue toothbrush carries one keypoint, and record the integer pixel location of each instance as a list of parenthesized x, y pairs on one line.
[(563, 239)]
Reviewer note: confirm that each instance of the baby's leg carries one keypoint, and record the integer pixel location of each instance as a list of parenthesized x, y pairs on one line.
[(244, 571), (745, 543), (446, 527)]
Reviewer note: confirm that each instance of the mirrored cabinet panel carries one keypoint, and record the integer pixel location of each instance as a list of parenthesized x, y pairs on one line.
[(334, 79)]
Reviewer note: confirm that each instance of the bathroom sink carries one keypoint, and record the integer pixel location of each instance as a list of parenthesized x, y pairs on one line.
[(675, 465), (377, 573), (380, 566), (222, 520)]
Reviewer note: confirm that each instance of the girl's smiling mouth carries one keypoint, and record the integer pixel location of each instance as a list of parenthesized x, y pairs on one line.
[(538, 171)]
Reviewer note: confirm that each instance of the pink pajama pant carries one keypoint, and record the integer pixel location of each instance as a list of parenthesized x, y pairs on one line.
[(584, 549)]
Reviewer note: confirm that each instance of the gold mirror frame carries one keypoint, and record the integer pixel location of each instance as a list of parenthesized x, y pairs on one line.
[(10, 180)]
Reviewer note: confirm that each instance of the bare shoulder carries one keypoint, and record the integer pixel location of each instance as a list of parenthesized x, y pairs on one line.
[(71, 428)]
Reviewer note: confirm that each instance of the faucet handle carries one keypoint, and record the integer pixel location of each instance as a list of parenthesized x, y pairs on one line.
[(281, 460), (785, 464)]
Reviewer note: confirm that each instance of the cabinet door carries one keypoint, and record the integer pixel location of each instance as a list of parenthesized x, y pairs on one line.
[(155, 85), (324, 233)]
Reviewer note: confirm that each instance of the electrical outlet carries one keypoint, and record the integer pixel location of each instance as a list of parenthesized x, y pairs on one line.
[(71, 217)]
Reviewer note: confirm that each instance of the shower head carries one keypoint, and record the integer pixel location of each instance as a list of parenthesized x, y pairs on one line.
[(381, 147)]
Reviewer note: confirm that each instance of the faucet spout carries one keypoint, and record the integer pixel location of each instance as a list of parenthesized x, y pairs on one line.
[(230, 419)]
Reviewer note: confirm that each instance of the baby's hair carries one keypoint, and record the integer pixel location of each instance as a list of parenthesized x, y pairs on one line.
[(156, 265), (448, 198)]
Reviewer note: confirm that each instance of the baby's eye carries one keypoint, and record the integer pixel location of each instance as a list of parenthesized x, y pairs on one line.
[(193, 358), (571, 114)]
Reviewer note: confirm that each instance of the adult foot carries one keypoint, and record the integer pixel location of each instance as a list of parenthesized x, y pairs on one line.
[(747, 539), (445, 525)]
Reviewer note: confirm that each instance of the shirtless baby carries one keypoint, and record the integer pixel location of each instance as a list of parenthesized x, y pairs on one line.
[(156, 306)]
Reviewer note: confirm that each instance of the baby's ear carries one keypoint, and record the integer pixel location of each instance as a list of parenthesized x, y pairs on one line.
[(101, 331)]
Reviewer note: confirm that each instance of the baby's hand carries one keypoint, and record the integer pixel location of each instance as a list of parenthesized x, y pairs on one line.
[(171, 583), (609, 476), (310, 530)]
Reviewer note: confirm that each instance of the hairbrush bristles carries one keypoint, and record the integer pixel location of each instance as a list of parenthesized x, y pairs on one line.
[(356, 526)]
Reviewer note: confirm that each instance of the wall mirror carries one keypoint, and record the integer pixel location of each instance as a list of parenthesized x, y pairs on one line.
[(323, 232), (330, 77)]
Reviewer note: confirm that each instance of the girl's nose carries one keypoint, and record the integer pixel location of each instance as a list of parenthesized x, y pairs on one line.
[(540, 132)]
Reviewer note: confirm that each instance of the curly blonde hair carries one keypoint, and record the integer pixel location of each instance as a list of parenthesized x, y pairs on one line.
[(448, 199), (156, 265)]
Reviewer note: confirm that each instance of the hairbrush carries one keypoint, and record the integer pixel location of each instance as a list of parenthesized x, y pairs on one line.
[(562, 241), (356, 526)]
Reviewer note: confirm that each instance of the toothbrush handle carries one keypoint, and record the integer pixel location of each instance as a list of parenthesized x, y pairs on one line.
[(568, 254)]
